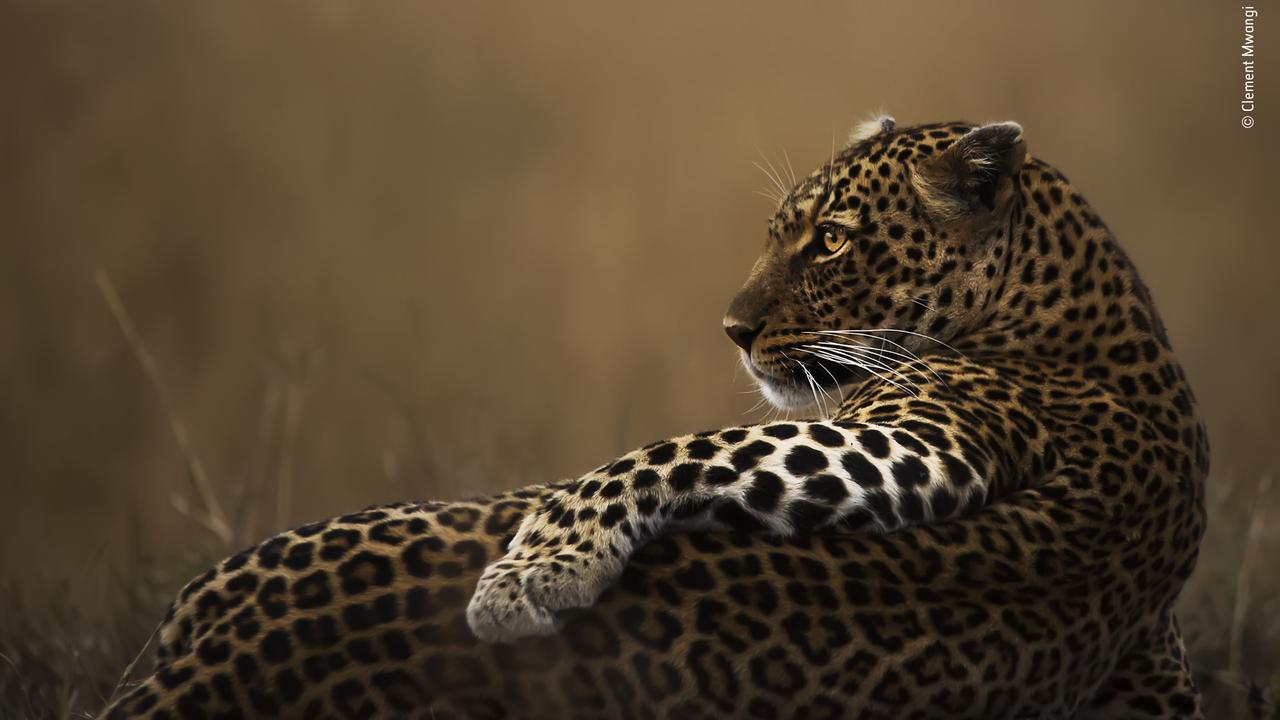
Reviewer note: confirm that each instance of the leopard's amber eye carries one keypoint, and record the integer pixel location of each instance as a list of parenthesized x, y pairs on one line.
[(833, 240)]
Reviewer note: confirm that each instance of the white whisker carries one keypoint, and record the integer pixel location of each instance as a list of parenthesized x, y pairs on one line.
[(905, 351), (759, 404), (821, 389), (862, 366), (862, 363), (909, 359), (790, 170), (808, 378), (776, 172), (813, 384), (866, 334), (930, 338), (831, 168), (884, 339), (861, 353), (770, 196), (834, 383), (815, 387), (777, 183)]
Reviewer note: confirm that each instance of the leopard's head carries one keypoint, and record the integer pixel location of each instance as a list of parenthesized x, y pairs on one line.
[(897, 246)]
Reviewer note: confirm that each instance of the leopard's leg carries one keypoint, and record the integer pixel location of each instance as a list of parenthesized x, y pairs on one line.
[(782, 479), (1151, 681), (881, 466)]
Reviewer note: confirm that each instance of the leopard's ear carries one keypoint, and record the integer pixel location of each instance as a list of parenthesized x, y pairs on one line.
[(975, 175), (868, 129)]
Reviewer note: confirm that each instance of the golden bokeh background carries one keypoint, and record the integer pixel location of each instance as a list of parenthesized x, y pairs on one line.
[(400, 250)]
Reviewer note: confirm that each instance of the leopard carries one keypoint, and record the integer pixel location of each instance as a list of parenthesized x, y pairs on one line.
[(986, 505)]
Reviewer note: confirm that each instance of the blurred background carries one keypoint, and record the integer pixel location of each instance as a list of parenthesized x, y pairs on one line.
[(266, 262)]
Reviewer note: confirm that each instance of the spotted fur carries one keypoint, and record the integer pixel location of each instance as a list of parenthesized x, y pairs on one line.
[(994, 521)]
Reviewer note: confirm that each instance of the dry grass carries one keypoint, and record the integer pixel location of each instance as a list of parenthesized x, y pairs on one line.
[(61, 657), (1230, 612)]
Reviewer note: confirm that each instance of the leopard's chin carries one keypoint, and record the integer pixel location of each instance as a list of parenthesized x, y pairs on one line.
[(793, 393)]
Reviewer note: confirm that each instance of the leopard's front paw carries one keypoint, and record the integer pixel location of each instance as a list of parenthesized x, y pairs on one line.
[(519, 598)]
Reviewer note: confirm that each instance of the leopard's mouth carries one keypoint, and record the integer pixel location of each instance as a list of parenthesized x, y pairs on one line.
[(795, 384)]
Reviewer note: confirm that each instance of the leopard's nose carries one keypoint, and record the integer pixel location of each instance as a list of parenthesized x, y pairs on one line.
[(741, 333)]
